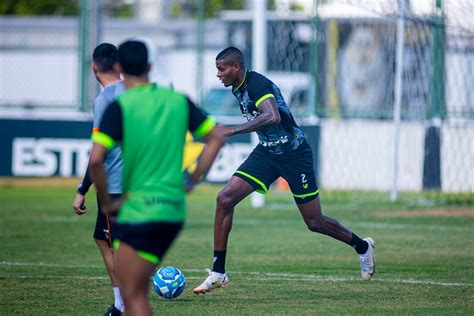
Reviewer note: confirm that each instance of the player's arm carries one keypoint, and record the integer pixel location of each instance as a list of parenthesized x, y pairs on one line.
[(83, 187), (79, 201), (110, 131), (259, 89), (269, 115), (96, 166), (205, 128)]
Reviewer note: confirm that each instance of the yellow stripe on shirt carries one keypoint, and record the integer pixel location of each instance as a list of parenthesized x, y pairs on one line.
[(205, 127), (103, 139), (266, 96)]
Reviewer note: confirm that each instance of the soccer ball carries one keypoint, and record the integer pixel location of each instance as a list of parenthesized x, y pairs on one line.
[(169, 282)]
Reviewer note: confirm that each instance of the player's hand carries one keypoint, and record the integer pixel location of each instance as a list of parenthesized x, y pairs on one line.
[(78, 204), (112, 207), (188, 183)]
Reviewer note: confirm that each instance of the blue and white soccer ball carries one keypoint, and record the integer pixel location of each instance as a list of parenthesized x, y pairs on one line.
[(169, 282)]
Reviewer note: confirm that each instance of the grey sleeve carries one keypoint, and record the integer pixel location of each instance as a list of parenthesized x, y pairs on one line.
[(100, 104)]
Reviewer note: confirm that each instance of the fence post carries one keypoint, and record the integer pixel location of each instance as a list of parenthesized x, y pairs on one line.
[(83, 46), (402, 4), (259, 62), (200, 51), (437, 110)]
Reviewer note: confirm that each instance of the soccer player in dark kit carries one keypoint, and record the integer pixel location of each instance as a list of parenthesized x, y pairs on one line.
[(283, 151)]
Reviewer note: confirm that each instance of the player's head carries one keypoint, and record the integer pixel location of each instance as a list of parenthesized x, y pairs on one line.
[(230, 63), (105, 58), (134, 58)]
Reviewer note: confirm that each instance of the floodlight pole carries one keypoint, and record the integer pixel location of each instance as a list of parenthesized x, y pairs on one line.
[(402, 5), (259, 64)]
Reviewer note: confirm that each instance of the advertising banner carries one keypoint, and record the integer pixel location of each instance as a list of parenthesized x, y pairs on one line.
[(43, 148)]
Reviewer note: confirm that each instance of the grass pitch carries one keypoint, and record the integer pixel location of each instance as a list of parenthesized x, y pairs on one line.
[(49, 264)]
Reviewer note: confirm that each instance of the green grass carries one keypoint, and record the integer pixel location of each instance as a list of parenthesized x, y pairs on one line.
[(49, 264)]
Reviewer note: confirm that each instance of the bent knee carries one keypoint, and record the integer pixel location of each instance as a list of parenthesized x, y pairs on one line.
[(315, 226), (224, 200)]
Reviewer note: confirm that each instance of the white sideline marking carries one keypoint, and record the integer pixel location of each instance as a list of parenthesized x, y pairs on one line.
[(48, 265), (278, 222), (434, 228), (57, 219), (259, 276), (368, 225), (49, 277)]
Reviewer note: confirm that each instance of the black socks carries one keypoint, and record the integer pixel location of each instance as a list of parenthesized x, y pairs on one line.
[(359, 245), (219, 261)]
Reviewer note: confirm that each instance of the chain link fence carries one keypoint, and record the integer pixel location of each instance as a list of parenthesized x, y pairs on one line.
[(38, 63)]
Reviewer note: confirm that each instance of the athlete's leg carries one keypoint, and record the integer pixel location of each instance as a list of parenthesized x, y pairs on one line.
[(317, 222), (134, 273), (108, 256), (233, 192), (103, 236), (255, 173), (297, 168), (102, 239)]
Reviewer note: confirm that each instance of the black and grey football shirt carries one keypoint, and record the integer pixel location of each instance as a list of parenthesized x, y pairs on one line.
[(279, 138)]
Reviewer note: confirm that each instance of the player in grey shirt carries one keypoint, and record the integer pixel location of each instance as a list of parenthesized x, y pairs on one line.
[(106, 70), (113, 160)]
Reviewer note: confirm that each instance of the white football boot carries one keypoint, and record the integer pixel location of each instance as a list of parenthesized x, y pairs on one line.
[(213, 281), (367, 260)]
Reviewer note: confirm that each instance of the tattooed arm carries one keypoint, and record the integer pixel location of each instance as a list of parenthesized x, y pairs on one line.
[(269, 115)]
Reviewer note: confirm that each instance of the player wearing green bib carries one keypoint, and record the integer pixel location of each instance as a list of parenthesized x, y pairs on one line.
[(151, 123)]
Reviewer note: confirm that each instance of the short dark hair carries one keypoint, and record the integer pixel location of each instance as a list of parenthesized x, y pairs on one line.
[(133, 57), (105, 56), (232, 54)]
